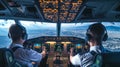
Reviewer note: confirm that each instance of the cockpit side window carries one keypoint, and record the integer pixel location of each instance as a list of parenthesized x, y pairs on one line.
[(4, 27)]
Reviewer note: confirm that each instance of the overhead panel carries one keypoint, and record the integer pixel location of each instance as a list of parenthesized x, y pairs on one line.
[(63, 11)]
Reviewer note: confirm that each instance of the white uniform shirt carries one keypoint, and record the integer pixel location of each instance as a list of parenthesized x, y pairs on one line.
[(26, 56), (84, 60)]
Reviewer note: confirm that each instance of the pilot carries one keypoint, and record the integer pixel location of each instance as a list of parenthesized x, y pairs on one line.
[(96, 33), (23, 55)]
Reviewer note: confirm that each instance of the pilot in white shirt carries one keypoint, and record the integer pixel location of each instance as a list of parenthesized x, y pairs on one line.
[(25, 56), (83, 60), (95, 34)]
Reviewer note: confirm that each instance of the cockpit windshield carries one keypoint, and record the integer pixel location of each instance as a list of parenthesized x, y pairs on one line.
[(37, 29)]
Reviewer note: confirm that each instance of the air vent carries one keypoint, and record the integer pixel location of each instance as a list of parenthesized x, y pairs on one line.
[(12, 3), (2, 7)]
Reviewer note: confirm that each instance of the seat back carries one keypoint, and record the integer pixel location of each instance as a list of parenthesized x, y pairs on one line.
[(97, 61), (111, 59), (7, 59)]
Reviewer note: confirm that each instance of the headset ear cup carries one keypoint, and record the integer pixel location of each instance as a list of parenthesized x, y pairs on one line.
[(105, 37), (88, 37), (24, 36)]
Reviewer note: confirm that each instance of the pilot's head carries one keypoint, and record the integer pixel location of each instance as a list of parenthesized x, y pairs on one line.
[(96, 33), (17, 33)]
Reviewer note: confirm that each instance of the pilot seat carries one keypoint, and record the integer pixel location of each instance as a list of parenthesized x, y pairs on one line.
[(111, 59), (7, 59)]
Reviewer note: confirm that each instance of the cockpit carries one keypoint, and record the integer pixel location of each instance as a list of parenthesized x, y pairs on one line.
[(58, 48), (60, 25)]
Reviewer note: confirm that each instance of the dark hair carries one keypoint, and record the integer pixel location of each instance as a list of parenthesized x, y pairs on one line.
[(17, 31), (98, 31)]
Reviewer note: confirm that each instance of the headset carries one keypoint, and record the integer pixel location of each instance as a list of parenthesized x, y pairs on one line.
[(89, 36), (16, 31)]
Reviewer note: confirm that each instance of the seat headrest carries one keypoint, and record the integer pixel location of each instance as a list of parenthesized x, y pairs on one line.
[(7, 58), (111, 59)]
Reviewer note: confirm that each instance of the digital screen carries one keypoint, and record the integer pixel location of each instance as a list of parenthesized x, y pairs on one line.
[(47, 47), (37, 45), (58, 47), (78, 46)]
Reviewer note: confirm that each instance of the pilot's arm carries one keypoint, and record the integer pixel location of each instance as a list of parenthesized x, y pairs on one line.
[(44, 52), (75, 60), (82, 59), (35, 56)]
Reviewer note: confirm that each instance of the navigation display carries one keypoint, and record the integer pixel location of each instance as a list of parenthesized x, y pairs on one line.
[(58, 47), (37, 45), (78, 46)]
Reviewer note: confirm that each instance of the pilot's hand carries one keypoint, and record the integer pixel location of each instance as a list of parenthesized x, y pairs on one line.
[(43, 51), (71, 50), (44, 48)]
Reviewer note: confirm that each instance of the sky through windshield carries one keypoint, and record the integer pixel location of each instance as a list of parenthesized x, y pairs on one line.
[(37, 29)]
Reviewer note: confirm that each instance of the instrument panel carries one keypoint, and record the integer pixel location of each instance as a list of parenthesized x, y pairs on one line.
[(63, 45), (58, 49), (55, 47)]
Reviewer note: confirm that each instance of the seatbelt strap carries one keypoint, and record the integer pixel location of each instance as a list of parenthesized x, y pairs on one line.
[(15, 48), (93, 53), (97, 59)]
